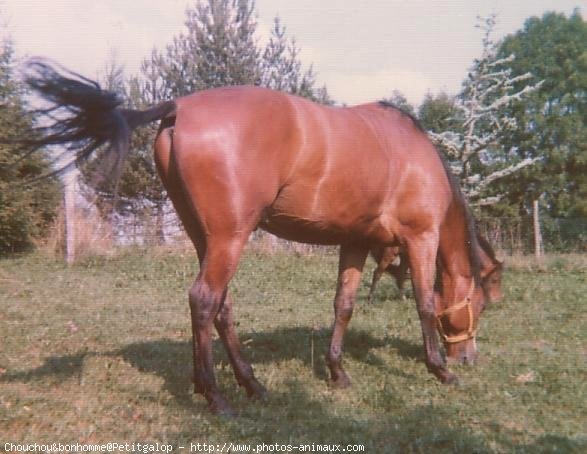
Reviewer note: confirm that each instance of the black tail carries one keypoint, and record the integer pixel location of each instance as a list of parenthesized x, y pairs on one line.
[(81, 117)]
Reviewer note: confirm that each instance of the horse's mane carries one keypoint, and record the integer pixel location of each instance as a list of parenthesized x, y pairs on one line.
[(389, 105), (458, 195)]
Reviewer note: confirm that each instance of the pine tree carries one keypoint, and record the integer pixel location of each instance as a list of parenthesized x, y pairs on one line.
[(218, 49), (281, 68), (26, 211)]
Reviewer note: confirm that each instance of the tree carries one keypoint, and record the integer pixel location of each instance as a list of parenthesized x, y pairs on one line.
[(26, 210), (282, 70), (218, 49), (439, 113), (475, 147), (553, 120)]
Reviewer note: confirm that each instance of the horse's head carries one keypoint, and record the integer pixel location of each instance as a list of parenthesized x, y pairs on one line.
[(491, 270), (491, 281), (457, 321)]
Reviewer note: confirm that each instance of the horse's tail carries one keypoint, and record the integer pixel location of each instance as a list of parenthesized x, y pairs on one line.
[(80, 116)]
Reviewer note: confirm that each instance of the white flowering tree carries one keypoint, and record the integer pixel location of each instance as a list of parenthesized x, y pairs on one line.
[(475, 147)]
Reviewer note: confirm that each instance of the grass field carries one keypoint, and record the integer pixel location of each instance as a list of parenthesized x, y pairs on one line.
[(100, 352)]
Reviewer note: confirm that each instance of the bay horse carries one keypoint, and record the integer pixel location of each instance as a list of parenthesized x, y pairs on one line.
[(237, 158), (394, 261), (391, 260)]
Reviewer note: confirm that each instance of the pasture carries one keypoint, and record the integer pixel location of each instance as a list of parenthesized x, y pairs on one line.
[(101, 352)]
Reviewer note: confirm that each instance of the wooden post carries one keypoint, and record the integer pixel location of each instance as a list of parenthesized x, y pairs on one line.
[(69, 215), (159, 225), (538, 246)]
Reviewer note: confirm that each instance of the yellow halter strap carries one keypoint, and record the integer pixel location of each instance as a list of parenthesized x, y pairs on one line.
[(471, 329)]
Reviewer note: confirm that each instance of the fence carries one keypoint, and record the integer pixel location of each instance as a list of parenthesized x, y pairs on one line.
[(512, 235), (515, 235)]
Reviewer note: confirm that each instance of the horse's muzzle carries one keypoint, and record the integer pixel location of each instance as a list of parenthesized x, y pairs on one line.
[(464, 352)]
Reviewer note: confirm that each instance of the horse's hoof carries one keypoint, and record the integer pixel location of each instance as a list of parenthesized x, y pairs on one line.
[(450, 379), (342, 382), (256, 391), (220, 406), (198, 389)]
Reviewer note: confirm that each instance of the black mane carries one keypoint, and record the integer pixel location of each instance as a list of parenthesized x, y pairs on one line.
[(389, 105), (472, 243)]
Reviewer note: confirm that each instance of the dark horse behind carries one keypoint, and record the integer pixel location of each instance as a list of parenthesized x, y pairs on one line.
[(394, 261), (240, 158)]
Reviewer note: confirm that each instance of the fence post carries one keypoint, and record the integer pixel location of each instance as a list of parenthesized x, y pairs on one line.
[(69, 214), (538, 247)]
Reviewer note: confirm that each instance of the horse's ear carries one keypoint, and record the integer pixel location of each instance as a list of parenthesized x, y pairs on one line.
[(499, 260)]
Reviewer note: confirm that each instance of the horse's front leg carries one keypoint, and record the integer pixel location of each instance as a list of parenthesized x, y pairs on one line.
[(351, 262), (422, 255)]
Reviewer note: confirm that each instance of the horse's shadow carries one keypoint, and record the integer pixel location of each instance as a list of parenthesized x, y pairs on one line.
[(172, 359), (55, 368), (309, 346)]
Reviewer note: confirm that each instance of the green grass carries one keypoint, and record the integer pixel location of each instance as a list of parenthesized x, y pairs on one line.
[(100, 352)]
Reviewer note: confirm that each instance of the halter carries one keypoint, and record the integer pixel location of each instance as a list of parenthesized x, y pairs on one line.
[(471, 330)]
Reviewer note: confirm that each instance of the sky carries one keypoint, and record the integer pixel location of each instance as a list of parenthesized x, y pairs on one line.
[(361, 50)]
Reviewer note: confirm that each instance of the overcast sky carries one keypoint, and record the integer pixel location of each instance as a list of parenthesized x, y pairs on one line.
[(361, 50)]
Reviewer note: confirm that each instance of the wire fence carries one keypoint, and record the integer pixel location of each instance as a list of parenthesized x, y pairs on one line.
[(511, 236), (515, 235)]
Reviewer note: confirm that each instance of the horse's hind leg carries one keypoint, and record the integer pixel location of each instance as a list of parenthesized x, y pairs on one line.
[(351, 262), (206, 296), (242, 369), (209, 303)]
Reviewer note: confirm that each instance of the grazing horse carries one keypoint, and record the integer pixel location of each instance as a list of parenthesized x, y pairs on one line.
[(391, 260), (491, 271), (237, 158), (394, 260)]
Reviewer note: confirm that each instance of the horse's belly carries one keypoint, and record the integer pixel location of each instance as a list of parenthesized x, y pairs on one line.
[(334, 223), (303, 230)]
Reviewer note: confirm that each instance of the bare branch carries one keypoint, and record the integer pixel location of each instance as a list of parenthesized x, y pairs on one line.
[(488, 200), (488, 179)]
